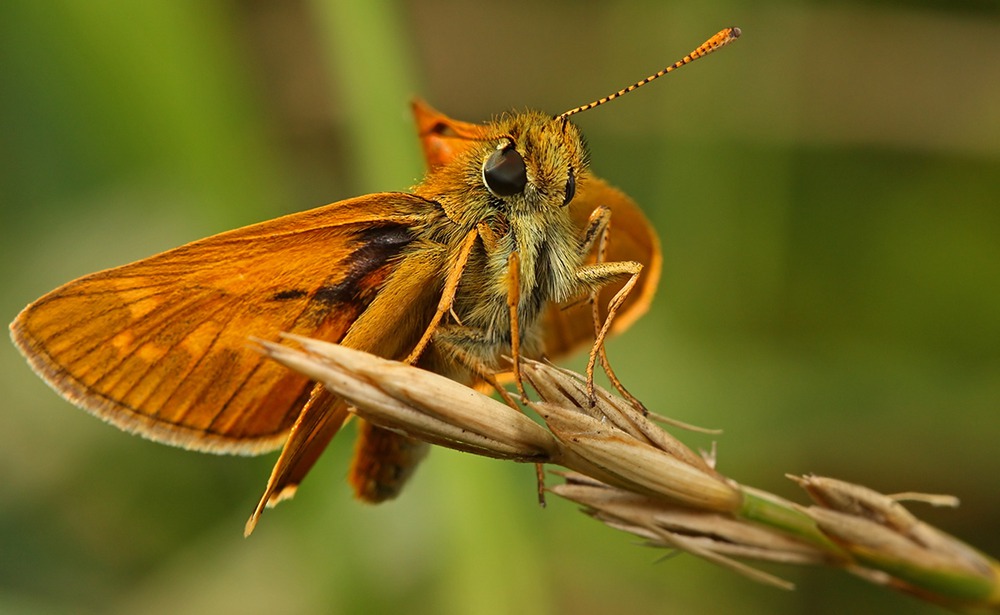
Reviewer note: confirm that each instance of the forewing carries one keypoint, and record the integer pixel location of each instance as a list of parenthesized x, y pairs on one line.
[(160, 347), (631, 237)]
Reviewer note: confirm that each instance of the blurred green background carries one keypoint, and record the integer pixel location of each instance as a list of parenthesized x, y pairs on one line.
[(828, 194)]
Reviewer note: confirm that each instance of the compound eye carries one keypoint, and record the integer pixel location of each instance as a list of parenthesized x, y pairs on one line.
[(504, 173), (570, 188)]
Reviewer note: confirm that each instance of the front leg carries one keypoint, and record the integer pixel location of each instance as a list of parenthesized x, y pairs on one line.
[(592, 278), (447, 294), (597, 231)]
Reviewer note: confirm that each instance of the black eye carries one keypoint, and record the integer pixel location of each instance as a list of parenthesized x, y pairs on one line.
[(504, 173), (570, 188)]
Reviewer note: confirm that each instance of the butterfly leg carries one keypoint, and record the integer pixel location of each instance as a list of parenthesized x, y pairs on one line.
[(447, 294), (597, 231), (594, 277), (513, 299), (491, 241)]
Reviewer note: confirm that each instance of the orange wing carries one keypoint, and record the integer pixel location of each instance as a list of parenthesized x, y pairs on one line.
[(160, 347), (441, 137), (631, 238)]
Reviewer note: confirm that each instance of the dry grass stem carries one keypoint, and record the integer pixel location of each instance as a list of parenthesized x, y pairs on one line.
[(419, 403), (630, 474)]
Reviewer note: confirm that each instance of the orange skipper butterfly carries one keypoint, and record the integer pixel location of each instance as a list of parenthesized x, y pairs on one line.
[(488, 256)]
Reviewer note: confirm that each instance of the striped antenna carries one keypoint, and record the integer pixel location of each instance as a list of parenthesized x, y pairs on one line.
[(719, 40)]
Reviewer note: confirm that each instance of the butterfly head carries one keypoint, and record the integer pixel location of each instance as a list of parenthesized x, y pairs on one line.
[(534, 164)]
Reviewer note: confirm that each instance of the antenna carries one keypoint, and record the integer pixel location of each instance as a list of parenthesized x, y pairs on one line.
[(721, 39)]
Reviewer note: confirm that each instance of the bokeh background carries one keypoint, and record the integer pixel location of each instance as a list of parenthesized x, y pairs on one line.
[(827, 191)]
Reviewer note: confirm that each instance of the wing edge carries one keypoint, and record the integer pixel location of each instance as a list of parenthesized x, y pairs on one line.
[(124, 417)]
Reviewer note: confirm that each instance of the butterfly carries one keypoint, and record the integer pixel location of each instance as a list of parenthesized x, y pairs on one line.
[(510, 245)]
